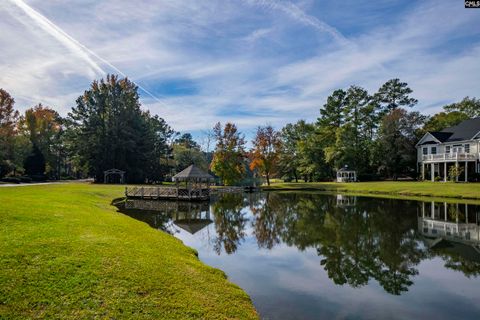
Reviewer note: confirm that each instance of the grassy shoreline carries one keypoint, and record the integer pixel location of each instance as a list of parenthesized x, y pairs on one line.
[(448, 190), (66, 253)]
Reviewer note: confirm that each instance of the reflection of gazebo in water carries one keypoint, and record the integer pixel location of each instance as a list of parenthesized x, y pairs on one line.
[(193, 221), (187, 215), (346, 201)]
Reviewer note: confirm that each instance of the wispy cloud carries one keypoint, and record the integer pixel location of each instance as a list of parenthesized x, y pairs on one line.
[(76, 47), (299, 15)]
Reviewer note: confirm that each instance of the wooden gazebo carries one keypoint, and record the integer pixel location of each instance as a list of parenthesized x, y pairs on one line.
[(193, 182)]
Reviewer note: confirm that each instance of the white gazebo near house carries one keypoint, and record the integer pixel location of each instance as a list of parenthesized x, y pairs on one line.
[(346, 175)]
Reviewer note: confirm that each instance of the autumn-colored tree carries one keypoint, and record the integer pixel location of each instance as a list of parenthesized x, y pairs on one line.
[(266, 150), (42, 125), (8, 119), (227, 162)]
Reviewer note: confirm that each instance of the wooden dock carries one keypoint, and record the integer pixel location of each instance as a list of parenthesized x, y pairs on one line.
[(167, 193)]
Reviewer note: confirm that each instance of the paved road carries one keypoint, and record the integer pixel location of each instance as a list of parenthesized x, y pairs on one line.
[(40, 183)]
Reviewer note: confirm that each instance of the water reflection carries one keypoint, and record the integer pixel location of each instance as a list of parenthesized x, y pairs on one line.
[(356, 239), (451, 231), (168, 216)]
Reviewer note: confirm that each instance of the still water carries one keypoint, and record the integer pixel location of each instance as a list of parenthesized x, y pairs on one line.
[(317, 256)]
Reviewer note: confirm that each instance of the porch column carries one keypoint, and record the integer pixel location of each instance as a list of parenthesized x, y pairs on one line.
[(432, 174), (456, 165), (445, 172), (466, 171), (423, 171)]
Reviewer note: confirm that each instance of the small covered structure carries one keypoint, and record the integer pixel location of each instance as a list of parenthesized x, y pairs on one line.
[(114, 172), (190, 184), (346, 175), (193, 183)]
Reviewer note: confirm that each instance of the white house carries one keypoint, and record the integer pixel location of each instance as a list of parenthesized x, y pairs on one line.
[(455, 146)]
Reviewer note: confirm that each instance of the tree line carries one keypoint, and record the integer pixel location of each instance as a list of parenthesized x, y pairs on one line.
[(373, 133)]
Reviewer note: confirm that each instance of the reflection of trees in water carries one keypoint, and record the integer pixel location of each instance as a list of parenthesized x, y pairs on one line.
[(398, 245), (372, 239), (230, 222), (456, 260), (269, 222)]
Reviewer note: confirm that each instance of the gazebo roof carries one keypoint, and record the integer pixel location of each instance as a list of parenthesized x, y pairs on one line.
[(193, 173), (192, 225), (113, 171), (346, 169)]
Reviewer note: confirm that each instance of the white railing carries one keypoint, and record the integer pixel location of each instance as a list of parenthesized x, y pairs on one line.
[(451, 230), (450, 156)]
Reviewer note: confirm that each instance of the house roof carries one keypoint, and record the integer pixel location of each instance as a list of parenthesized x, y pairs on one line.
[(193, 173), (441, 136), (465, 130)]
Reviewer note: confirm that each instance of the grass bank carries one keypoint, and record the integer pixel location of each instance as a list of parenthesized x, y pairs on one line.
[(391, 188), (66, 253)]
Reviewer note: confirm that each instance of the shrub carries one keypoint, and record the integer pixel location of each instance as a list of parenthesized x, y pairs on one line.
[(25, 179), (454, 172), (38, 177), (11, 180)]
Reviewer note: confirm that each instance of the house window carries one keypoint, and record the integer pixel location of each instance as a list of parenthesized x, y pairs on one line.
[(447, 149), (467, 148), (425, 151), (433, 150)]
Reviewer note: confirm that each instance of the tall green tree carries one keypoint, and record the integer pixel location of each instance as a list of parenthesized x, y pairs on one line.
[(44, 128), (8, 121), (291, 134), (228, 158), (444, 120), (188, 153), (468, 106), (111, 131), (394, 94), (398, 134), (354, 138), (187, 141), (300, 155)]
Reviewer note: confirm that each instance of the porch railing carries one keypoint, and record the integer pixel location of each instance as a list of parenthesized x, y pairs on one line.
[(450, 156)]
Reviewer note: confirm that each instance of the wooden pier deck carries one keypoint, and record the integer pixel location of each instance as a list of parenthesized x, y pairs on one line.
[(167, 193)]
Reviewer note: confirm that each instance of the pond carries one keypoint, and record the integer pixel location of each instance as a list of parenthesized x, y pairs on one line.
[(318, 256)]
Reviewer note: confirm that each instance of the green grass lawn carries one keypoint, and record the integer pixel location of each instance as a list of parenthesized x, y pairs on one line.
[(66, 253), (392, 188)]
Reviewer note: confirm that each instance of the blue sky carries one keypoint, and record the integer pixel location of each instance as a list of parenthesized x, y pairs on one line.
[(248, 61)]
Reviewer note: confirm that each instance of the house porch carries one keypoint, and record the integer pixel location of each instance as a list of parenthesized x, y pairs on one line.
[(438, 171)]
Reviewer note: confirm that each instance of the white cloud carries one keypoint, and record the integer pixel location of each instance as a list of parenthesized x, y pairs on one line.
[(244, 64)]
